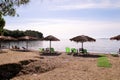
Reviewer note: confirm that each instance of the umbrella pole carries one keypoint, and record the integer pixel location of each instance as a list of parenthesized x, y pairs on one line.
[(0, 47), (50, 46), (82, 46), (27, 45), (18, 43), (9, 45)]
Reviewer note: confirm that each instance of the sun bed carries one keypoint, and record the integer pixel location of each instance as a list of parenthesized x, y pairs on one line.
[(49, 51), (68, 50), (74, 51), (24, 49), (52, 50), (84, 52), (15, 48), (41, 50)]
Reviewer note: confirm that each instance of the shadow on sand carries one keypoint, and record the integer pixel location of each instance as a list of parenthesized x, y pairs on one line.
[(88, 55), (8, 71), (1, 52), (50, 54)]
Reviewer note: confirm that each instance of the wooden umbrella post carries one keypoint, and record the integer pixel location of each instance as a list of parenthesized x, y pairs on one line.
[(9, 45), (82, 39), (27, 45), (50, 46), (51, 38), (82, 46), (0, 45)]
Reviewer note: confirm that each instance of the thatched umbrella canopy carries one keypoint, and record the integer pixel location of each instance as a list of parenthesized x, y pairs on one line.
[(51, 38), (115, 37), (82, 39), (6, 38), (9, 38), (27, 38), (3, 38)]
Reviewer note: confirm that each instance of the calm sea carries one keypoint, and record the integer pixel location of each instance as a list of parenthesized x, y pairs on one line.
[(101, 45)]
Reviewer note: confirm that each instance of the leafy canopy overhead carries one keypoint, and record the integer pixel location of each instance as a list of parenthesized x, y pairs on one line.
[(8, 7), (2, 24)]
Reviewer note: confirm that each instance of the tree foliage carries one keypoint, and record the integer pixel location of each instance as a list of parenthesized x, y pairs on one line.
[(8, 7), (2, 24), (18, 33), (33, 33)]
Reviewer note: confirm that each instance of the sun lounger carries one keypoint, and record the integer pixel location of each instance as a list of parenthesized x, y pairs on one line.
[(24, 49), (67, 50), (119, 51), (74, 51), (115, 54), (84, 51), (15, 48), (41, 50), (49, 52), (52, 50)]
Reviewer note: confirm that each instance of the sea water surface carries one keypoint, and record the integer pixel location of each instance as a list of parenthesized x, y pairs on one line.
[(100, 46)]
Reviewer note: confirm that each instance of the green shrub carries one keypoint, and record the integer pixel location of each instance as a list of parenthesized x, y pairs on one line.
[(103, 62)]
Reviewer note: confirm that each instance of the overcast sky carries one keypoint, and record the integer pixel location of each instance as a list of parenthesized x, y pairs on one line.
[(69, 18)]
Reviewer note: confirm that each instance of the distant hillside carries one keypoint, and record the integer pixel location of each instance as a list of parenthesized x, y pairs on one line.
[(18, 33)]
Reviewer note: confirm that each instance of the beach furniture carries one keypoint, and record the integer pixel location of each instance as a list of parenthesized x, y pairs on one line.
[(74, 51), (15, 48), (67, 50), (52, 50), (115, 54), (119, 51), (84, 51), (51, 38), (49, 52), (24, 49), (82, 39), (80, 50), (41, 50)]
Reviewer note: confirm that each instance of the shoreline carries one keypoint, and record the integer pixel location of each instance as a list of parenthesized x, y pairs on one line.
[(100, 46)]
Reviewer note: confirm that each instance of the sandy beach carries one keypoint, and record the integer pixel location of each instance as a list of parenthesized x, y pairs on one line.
[(33, 66), (60, 40)]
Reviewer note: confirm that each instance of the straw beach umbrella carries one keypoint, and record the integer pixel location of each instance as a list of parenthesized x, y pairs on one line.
[(2, 38), (27, 38), (82, 39), (51, 38), (9, 38), (115, 37)]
